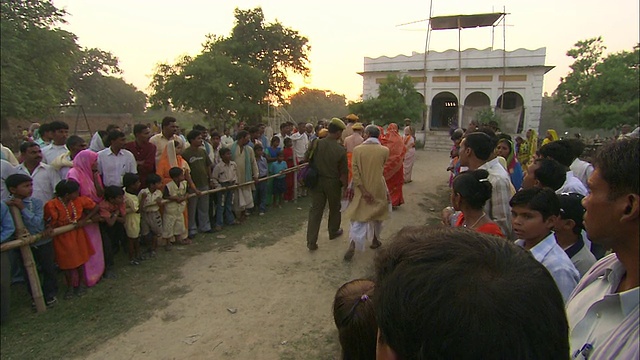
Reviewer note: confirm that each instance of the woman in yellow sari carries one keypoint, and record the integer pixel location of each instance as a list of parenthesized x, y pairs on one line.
[(171, 158), (550, 137)]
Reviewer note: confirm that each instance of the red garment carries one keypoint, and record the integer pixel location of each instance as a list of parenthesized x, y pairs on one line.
[(107, 208), (393, 168), (288, 156), (146, 153), (490, 228)]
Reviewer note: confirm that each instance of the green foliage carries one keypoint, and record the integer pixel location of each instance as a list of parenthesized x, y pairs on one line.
[(314, 104), (486, 116), (37, 58), (600, 93), (270, 47), (397, 100), (110, 95)]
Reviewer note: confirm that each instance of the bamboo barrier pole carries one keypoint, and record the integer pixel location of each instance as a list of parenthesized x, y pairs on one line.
[(27, 258), (30, 239)]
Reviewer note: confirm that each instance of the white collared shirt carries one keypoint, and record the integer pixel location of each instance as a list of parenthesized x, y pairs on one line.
[(51, 151), (114, 166), (572, 185), (300, 144), (45, 178), (582, 170), (498, 207), (6, 169)]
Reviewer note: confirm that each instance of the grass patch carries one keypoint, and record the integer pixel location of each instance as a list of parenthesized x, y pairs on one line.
[(74, 328)]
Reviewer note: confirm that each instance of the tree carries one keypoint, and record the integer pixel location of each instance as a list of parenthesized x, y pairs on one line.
[(314, 104), (600, 92), (110, 95), (270, 47), (397, 99), (36, 57)]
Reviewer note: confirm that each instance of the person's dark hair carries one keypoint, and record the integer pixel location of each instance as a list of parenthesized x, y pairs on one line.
[(491, 133), (58, 125), (333, 128), (287, 141), (474, 187), (571, 209), (44, 128), (193, 134), (112, 127), (429, 305), (550, 173), (199, 127), (355, 318), (504, 136), (139, 128), (481, 144), (215, 134), (114, 135), (257, 147), (73, 140), (542, 200), (254, 129), (318, 128), (112, 192), (65, 187), (577, 147), (274, 140), (15, 180), (153, 179), (26, 146), (129, 179), (242, 134), (617, 164), (284, 125), (174, 172), (373, 131), (560, 151), (223, 151), (279, 153), (167, 120)]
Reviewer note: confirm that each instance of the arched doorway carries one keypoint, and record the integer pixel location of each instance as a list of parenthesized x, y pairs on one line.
[(444, 111), (473, 104), (510, 108)]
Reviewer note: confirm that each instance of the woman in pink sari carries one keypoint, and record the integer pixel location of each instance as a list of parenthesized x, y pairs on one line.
[(85, 172), (393, 168), (410, 156)]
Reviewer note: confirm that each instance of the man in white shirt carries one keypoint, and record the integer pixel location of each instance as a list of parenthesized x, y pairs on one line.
[(7, 155), (475, 153), (6, 169), (57, 147), (300, 143), (115, 161), (285, 132), (563, 152), (603, 309), (581, 169), (97, 144), (169, 133), (45, 178), (226, 140)]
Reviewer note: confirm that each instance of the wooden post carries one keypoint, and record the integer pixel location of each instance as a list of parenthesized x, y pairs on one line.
[(29, 263)]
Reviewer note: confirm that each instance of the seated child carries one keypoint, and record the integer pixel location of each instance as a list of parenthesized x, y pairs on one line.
[(20, 186), (112, 218), (280, 182), (6, 232), (224, 174), (131, 184), (354, 316), (569, 229), (470, 191), (534, 213), (73, 248), (150, 204), (260, 195), (173, 226)]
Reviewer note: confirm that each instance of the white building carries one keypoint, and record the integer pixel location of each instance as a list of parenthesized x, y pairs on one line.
[(457, 87)]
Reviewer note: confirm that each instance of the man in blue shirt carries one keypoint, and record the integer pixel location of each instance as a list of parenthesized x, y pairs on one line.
[(5, 266)]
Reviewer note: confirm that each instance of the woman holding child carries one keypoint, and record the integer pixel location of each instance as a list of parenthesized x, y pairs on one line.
[(171, 158)]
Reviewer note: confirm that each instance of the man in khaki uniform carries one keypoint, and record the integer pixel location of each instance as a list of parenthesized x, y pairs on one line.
[(370, 204), (330, 159), (351, 120)]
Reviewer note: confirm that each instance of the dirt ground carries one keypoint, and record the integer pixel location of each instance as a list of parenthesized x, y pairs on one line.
[(272, 302)]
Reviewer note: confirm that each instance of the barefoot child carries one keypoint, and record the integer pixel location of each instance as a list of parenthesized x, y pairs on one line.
[(73, 248), (131, 184), (112, 218), (280, 182), (224, 174), (150, 204), (173, 226)]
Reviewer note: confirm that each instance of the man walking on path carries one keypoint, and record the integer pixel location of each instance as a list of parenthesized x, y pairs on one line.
[(370, 204), (330, 159)]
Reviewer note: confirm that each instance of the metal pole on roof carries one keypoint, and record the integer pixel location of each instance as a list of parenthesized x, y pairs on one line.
[(459, 75), (504, 54), (426, 119)]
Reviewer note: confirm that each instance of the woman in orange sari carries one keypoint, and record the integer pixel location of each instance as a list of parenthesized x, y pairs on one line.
[(393, 168), (171, 158)]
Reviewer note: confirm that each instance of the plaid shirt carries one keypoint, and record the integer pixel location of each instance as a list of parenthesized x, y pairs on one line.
[(498, 208)]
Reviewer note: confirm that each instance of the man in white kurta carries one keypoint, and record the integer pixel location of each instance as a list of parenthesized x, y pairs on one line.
[(247, 170), (370, 204)]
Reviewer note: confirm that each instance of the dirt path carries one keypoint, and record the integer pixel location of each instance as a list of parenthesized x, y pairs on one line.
[(281, 294)]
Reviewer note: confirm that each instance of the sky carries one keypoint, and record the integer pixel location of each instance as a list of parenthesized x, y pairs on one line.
[(143, 33)]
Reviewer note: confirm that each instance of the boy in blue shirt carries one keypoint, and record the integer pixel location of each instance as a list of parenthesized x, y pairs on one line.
[(260, 196), (5, 266), (280, 182), (21, 188), (533, 215)]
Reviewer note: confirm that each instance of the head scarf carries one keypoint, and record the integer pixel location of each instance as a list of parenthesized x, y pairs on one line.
[(82, 173), (395, 144), (169, 159), (511, 159), (554, 137)]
